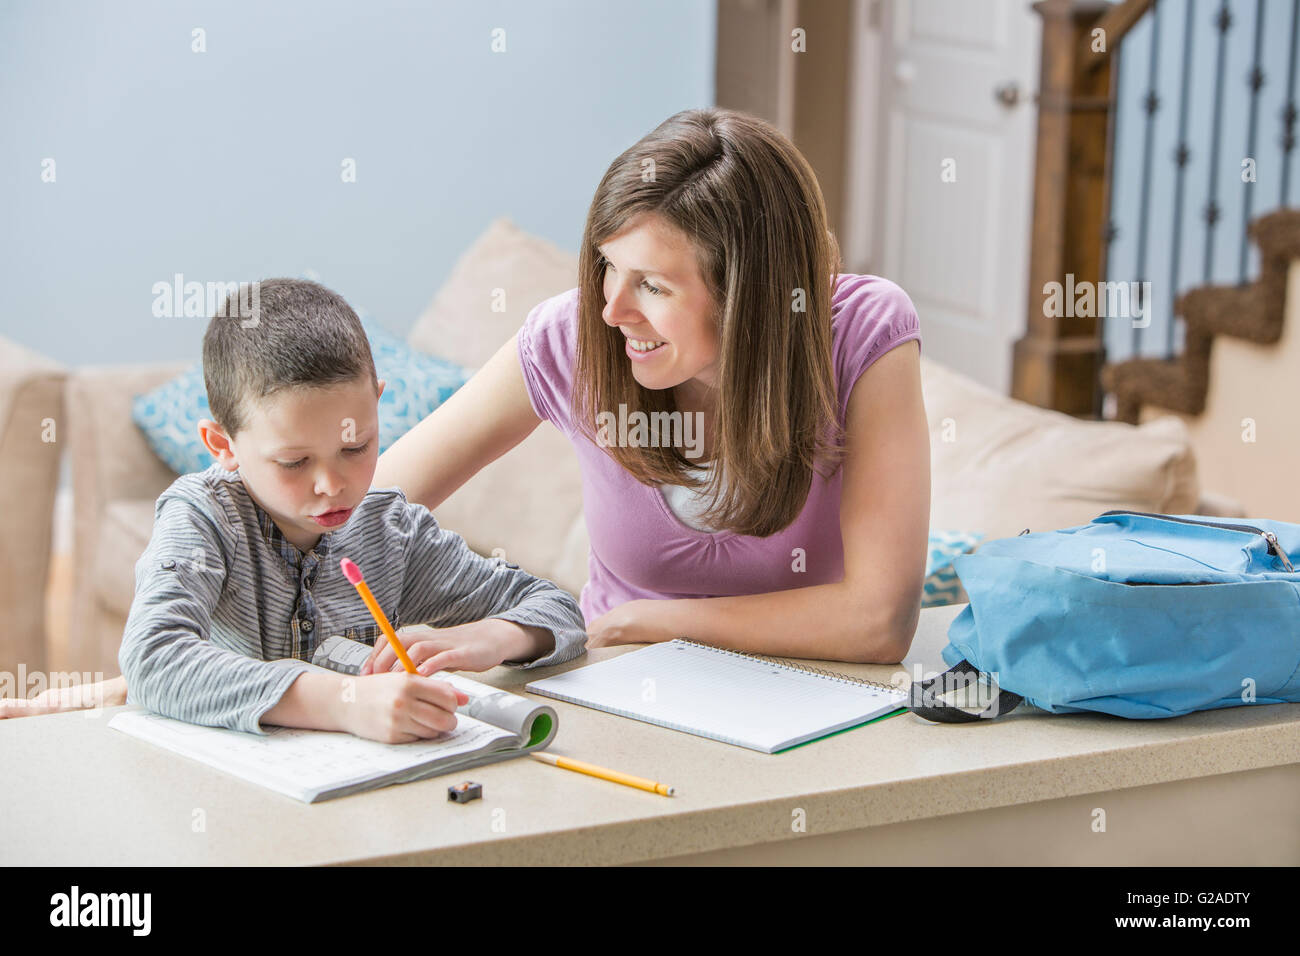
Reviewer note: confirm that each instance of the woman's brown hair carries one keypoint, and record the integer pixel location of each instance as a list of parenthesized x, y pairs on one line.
[(751, 206)]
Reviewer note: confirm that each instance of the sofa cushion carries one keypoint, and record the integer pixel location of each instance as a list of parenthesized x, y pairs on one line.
[(1000, 466), (523, 507), (168, 417), (127, 526), (490, 291), (33, 433), (942, 586)]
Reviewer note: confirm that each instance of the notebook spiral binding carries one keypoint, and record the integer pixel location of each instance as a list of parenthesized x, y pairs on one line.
[(802, 668)]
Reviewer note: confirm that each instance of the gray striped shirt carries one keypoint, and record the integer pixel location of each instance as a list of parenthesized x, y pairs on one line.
[(226, 611)]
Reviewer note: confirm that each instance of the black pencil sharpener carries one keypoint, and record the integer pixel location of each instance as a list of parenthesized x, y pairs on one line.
[(465, 792)]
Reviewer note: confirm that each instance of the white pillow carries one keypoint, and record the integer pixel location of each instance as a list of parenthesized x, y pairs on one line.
[(999, 465), (504, 268)]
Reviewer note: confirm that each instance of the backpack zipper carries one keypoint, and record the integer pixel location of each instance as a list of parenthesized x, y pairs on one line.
[(1273, 547)]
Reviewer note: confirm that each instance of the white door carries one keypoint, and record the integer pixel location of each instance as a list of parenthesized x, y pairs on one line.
[(953, 177)]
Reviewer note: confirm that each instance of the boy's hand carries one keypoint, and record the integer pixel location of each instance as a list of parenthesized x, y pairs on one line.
[(400, 708), (477, 646)]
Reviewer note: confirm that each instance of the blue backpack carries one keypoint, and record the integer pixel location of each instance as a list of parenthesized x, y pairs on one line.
[(1133, 614)]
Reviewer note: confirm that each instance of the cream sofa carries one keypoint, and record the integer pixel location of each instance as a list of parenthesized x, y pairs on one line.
[(33, 432), (999, 466)]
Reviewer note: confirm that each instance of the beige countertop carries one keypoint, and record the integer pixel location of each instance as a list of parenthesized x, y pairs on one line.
[(76, 793)]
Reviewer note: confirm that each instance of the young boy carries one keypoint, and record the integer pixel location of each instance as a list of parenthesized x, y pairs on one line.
[(241, 578)]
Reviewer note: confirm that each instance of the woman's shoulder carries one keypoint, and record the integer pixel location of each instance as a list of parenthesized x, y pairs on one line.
[(559, 309), (867, 300), (548, 348), (869, 316), (552, 324)]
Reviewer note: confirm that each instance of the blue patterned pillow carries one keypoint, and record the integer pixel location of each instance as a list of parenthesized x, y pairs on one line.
[(416, 384), (942, 586)]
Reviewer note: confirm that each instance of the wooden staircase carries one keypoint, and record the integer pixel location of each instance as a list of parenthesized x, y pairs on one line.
[(1253, 312)]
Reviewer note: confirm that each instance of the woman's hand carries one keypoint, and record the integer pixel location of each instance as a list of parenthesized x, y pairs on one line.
[(635, 622), (55, 700), (476, 646)]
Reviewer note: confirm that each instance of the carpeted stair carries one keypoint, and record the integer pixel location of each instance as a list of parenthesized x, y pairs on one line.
[(1253, 312)]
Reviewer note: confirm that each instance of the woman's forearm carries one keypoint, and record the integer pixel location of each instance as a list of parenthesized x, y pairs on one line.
[(824, 622)]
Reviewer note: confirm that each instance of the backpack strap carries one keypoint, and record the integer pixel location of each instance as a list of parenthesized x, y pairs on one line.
[(924, 698)]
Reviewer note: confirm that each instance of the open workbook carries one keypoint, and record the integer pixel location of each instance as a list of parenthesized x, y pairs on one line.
[(762, 703), (314, 765)]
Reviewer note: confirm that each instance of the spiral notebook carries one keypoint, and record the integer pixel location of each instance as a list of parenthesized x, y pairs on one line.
[(761, 703)]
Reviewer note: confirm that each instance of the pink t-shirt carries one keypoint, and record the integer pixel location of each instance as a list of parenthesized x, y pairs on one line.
[(639, 548)]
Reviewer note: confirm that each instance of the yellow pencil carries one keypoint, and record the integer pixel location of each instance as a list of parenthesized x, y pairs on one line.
[(353, 574), (568, 763)]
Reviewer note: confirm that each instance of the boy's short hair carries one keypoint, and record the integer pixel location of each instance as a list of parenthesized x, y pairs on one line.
[(302, 334)]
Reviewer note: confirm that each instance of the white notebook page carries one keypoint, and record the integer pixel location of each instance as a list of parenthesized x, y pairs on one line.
[(723, 696), (299, 762)]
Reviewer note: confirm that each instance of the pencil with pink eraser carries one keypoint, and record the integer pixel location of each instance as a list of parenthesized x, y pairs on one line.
[(353, 574)]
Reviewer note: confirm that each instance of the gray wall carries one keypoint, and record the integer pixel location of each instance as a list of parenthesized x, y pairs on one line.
[(225, 165)]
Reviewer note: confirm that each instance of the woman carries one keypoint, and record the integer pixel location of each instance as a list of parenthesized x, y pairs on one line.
[(708, 285)]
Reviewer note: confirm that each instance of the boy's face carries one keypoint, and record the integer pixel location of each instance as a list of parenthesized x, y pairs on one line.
[(306, 455)]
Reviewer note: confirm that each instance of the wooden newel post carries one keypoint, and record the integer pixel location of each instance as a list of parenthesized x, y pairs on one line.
[(1056, 364)]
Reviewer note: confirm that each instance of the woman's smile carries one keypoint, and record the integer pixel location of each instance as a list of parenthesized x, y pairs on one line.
[(640, 350)]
